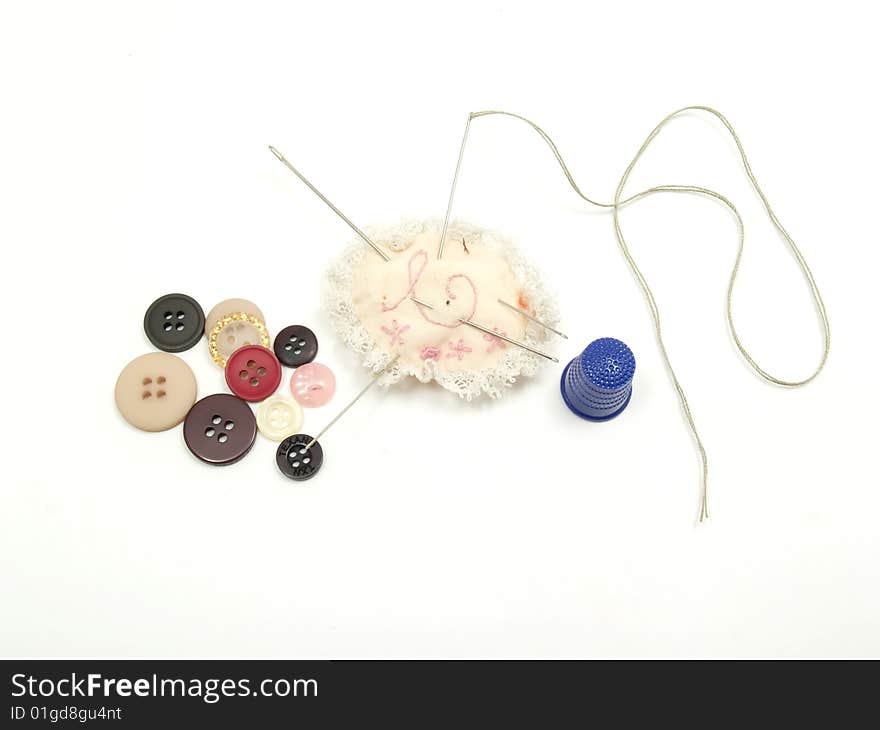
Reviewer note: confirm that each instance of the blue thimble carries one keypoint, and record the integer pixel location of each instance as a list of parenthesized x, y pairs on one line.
[(597, 384)]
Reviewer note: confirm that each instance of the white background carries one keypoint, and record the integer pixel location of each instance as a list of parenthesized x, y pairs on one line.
[(133, 163)]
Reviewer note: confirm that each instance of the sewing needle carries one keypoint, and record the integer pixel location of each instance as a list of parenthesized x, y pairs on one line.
[(385, 256), (532, 319), (339, 415), (452, 189), (471, 323), (332, 207)]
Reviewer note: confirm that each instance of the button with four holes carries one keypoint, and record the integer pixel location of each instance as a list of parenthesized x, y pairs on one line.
[(279, 416), (253, 373), (220, 429), (174, 322), (296, 345), (296, 461), (155, 391)]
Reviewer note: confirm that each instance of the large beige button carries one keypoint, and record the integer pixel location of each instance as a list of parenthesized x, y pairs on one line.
[(154, 392), (231, 306), (279, 417)]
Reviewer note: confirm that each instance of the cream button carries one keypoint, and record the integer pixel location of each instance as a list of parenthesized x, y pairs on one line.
[(154, 392), (231, 306), (278, 417)]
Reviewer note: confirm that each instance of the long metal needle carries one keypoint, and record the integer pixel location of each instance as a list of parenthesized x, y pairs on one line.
[(523, 345), (471, 323), (532, 319), (332, 207), (385, 256), (452, 189), (341, 413)]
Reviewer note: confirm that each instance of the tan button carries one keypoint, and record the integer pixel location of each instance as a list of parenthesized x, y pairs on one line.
[(231, 306), (155, 391)]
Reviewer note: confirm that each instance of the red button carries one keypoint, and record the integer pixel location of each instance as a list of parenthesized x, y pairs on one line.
[(253, 373)]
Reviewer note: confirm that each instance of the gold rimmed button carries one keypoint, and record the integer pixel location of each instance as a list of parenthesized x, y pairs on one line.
[(235, 331)]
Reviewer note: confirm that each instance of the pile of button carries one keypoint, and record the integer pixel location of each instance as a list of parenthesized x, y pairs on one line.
[(157, 391)]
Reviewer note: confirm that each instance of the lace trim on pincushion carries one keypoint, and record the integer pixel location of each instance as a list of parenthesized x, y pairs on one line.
[(492, 381)]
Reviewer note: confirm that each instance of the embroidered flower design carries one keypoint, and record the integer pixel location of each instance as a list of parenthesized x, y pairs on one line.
[(396, 332), (429, 352), (495, 341), (458, 350)]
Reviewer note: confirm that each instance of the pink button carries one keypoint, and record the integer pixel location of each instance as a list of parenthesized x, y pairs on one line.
[(253, 372), (312, 384)]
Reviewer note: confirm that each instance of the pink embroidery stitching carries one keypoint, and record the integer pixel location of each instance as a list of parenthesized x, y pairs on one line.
[(429, 352), (495, 341), (414, 277), (451, 295), (458, 349), (396, 332)]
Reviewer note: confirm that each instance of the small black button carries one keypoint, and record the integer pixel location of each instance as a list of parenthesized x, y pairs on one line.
[(296, 345), (174, 322), (295, 461)]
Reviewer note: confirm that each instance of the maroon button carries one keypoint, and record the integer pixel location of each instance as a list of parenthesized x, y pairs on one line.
[(295, 345), (220, 429), (253, 373)]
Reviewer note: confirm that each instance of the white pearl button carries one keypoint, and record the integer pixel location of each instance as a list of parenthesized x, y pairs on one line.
[(279, 417)]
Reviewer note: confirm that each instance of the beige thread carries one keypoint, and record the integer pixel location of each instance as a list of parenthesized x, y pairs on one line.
[(646, 290)]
